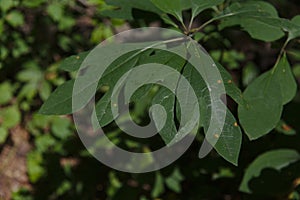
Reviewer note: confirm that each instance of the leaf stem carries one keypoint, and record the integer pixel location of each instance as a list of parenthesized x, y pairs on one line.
[(203, 25), (212, 20), (280, 55), (221, 16), (191, 23)]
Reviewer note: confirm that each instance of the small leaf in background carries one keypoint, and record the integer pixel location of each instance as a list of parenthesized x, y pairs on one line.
[(32, 3), (3, 135), (66, 22), (21, 47), (10, 117), (284, 128), (232, 59), (223, 173), (30, 75), (64, 187), (41, 121), (4, 51), (250, 72), (6, 92), (296, 70), (294, 195), (15, 18), (61, 127), (263, 106), (6, 5), (55, 11), (28, 91), (101, 33), (64, 42), (284, 76), (293, 53), (34, 166), (172, 7), (45, 90), (158, 187), (295, 32), (173, 181), (276, 159), (44, 142), (114, 183), (125, 7)]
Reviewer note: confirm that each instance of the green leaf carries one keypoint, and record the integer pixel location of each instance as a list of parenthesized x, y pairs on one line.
[(296, 70), (45, 90), (276, 159), (284, 76), (6, 5), (116, 70), (55, 11), (265, 97), (73, 63), (61, 98), (66, 22), (32, 3), (230, 140), (30, 75), (251, 16), (263, 107), (44, 142), (29, 90), (260, 20), (168, 20), (10, 117), (230, 87), (158, 187), (6, 92), (61, 127), (295, 29), (223, 173), (200, 5), (165, 98), (173, 182), (34, 166), (41, 121), (125, 7), (173, 7), (64, 187), (15, 18), (268, 33), (285, 129), (3, 135), (60, 101), (103, 110), (229, 143)]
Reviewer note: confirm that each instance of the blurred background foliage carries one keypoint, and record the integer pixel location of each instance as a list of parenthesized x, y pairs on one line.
[(41, 157)]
